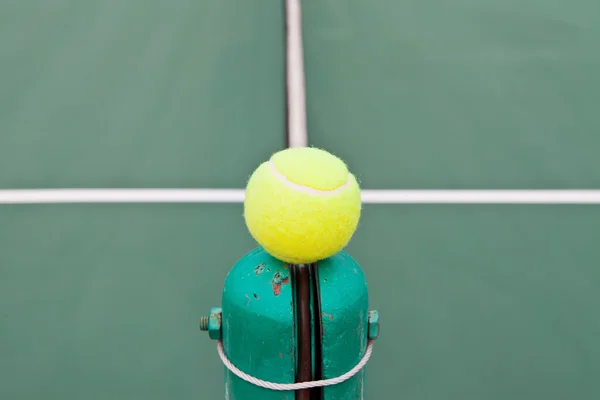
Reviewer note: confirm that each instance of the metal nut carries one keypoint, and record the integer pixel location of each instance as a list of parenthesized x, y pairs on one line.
[(373, 324), (214, 323)]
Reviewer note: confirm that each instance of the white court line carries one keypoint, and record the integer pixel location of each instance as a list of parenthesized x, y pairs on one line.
[(295, 84), (69, 196)]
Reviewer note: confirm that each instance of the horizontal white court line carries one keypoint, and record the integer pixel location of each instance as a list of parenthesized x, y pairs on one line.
[(66, 196)]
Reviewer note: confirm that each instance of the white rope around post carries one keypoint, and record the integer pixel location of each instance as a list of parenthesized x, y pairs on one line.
[(299, 385)]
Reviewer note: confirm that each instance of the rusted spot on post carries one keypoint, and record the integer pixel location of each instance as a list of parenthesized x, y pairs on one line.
[(259, 269), (277, 289), (278, 281)]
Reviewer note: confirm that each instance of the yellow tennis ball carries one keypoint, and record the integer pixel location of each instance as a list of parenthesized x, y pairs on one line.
[(303, 205)]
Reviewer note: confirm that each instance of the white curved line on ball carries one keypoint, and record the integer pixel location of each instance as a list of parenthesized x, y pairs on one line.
[(307, 189)]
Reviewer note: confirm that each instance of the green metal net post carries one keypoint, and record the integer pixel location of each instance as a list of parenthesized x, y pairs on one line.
[(276, 317)]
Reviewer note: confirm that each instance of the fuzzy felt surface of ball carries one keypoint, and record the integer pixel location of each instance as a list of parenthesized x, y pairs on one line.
[(302, 205)]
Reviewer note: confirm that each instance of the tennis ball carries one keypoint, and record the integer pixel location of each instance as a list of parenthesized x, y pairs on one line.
[(303, 205)]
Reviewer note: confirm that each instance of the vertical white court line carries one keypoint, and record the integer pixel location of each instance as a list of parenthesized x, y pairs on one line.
[(296, 91)]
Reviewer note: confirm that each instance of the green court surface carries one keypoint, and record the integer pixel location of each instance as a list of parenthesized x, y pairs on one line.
[(476, 302), (141, 93), (465, 94)]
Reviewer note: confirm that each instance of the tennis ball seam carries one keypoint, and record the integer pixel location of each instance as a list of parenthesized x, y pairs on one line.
[(307, 189)]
